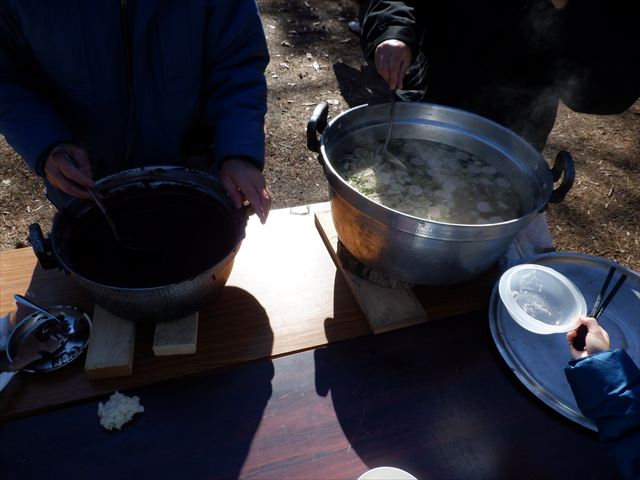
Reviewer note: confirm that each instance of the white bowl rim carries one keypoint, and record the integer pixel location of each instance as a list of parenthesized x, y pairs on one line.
[(395, 473), (525, 320)]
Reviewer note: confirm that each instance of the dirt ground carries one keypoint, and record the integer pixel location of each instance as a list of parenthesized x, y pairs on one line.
[(315, 58)]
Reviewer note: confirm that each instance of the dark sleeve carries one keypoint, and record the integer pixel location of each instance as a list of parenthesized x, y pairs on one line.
[(600, 68), (27, 120), (607, 390), (386, 20), (236, 88)]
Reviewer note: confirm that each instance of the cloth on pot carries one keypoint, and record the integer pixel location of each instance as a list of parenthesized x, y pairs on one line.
[(534, 239)]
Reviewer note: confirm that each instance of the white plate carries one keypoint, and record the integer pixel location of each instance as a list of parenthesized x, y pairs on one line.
[(386, 473), (538, 361)]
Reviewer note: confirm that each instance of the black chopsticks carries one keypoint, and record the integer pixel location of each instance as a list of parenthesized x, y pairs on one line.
[(603, 289), (599, 305), (598, 309)]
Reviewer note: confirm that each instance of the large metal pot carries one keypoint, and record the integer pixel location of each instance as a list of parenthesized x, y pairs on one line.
[(184, 217), (415, 249)]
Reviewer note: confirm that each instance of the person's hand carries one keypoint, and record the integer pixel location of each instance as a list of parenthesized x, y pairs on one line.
[(244, 181), (597, 339), (559, 4), (64, 175), (393, 58)]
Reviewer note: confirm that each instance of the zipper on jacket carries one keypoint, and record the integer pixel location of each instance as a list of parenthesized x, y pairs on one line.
[(126, 45), (128, 67)]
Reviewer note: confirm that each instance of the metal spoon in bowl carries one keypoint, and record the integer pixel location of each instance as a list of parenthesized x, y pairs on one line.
[(71, 324), (28, 303), (384, 153), (39, 343), (97, 198)]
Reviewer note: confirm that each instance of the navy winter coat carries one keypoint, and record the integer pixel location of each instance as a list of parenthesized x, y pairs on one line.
[(607, 389), (135, 82)]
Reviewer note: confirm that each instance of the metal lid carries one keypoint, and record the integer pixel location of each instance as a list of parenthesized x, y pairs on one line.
[(76, 325), (539, 360)]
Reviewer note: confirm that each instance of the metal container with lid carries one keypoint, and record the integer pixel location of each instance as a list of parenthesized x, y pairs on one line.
[(538, 361), (415, 249), (76, 328)]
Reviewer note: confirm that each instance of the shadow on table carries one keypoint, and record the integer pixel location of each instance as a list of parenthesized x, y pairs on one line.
[(437, 401), (200, 426), (53, 287)]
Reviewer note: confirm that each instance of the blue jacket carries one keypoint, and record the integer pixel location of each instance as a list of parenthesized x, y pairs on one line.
[(607, 389), (136, 82)]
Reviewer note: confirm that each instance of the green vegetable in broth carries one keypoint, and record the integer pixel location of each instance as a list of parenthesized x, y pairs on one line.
[(442, 183)]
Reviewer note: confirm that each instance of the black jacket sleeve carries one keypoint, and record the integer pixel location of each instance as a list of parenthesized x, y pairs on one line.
[(388, 19), (599, 71)]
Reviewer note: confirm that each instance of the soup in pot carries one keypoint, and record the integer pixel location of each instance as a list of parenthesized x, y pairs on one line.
[(179, 232), (441, 183)]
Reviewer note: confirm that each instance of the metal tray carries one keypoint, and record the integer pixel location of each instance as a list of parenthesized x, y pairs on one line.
[(78, 328), (539, 360)]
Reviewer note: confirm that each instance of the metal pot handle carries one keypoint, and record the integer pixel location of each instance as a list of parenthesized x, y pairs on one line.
[(564, 168), (41, 247), (316, 125)]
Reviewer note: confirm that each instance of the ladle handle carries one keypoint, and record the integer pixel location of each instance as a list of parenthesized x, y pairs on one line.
[(96, 197), (392, 114), (98, 201), (580, 340), (28, 303)]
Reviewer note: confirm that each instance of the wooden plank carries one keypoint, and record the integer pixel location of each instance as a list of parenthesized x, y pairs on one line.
[(20, 273), (179, 337), (111, 346), (384, 308), (284, 295)]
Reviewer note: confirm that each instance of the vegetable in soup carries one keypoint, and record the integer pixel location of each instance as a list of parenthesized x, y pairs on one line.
[(442, 183)]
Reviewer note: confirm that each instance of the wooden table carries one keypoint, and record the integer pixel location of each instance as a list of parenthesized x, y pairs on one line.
[(288, 382)]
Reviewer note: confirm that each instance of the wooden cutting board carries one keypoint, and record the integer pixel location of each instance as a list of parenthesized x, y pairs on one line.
[(111, 346), (284, 295), (385, 308)]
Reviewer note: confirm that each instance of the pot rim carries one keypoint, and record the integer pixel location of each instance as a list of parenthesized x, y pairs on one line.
[(373, 207), (83, 206)]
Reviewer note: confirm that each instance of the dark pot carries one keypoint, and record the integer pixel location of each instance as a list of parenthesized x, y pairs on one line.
[(185, 229)]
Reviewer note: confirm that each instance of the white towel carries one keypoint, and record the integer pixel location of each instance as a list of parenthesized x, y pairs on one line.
[(534, 239)]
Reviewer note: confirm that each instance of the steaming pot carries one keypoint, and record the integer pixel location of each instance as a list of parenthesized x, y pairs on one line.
[(419, 250)]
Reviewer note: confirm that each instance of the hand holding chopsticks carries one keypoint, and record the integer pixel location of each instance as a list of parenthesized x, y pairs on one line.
[(602, 301), (597, 341)]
